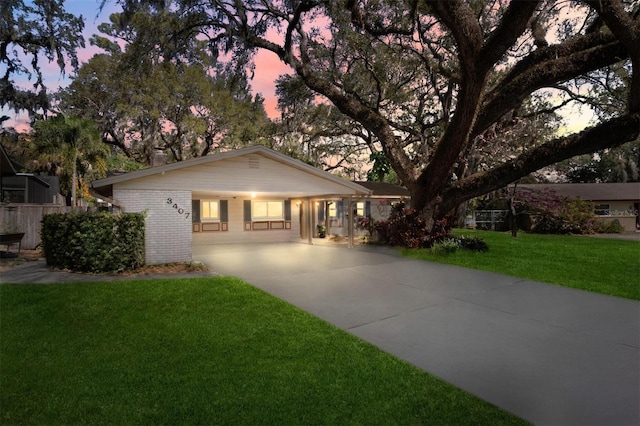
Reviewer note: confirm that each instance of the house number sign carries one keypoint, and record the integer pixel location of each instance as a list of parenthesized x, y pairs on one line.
[(179, 209)]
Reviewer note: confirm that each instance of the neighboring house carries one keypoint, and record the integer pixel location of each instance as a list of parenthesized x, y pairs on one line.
[(24, 199), (248, 195), (17, 187), (610, 201), (28, 188), (376, 206)]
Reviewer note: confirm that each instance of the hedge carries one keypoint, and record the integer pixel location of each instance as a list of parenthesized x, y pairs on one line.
[(93, 242)]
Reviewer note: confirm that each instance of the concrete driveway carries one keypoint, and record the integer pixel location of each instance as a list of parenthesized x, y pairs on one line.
[(551, 355)]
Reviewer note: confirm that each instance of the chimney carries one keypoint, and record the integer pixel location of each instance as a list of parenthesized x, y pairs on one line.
[(158, 158)]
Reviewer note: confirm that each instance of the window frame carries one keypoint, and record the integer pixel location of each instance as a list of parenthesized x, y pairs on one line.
[(204, 218), (605, 208), (268, 217), (333, 210)]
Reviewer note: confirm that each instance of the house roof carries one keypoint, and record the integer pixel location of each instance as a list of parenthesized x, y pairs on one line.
[(592, 191), (7, 166), (384, 189), (103, 186), (38, 179)]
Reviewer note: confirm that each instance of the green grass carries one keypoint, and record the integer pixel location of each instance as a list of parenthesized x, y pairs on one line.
[(202, 351), (600, 265)]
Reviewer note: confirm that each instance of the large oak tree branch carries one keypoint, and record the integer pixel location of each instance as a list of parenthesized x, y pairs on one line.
[(459, 18), (512, 26), (466, 30), (455, 137), (627, 30), (352, 107), (346, 103), (295, 22), (510, 94), (368, 117), (556, 51), (609, 134)]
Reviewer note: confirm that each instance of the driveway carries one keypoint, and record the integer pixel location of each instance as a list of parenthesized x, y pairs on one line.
[(549, 354)]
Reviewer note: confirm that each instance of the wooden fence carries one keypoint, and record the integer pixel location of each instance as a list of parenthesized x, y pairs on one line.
[(27, 218)]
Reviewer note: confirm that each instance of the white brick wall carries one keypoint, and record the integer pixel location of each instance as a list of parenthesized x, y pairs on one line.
[(167, 224)]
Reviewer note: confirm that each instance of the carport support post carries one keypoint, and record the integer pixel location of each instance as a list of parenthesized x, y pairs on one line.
[(350, 224), (310, 221), (327, 220)]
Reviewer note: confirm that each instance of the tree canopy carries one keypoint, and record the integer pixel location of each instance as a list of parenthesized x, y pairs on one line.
[(610, 165), (316, 132), (28, 31), (143, 100), (430, 80)]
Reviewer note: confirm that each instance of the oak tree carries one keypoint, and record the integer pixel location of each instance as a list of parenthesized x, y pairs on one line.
[(144, 100), (316, 132), (430, 79)]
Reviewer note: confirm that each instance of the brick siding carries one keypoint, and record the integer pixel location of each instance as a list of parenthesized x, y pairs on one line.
[(167, 224)]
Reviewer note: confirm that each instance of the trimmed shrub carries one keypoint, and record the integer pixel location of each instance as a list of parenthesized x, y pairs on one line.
[(93, 242), (447, 246), (613, 227), (472, 243), (451, 245)]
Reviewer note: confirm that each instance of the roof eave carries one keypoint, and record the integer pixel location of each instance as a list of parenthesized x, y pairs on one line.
[(257, 149)]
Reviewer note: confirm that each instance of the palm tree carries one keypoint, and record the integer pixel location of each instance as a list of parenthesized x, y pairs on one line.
[(72, 143)]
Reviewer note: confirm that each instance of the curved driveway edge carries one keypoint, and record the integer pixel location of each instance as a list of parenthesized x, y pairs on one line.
[(36, 272), (549, 354)]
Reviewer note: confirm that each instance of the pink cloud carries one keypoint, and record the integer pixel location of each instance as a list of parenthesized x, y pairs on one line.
[(20, 122), (268, 65), (87, 53), (268, 68)]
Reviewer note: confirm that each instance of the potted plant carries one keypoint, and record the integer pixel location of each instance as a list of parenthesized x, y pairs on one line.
[(322, 231)]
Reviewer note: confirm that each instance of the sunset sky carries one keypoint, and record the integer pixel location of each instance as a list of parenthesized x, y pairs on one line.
[(268, 69), (268, 66)]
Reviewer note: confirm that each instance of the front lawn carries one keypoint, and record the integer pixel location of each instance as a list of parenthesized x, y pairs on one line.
[(600, 265), (202, 351)]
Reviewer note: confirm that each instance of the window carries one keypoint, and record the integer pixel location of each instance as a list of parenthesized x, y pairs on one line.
[(210, 210), (333, 209), (602, 210), (360, 208), (267, 210)]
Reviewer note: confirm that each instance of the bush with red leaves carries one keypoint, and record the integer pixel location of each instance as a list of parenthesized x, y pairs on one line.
[(406, 228)]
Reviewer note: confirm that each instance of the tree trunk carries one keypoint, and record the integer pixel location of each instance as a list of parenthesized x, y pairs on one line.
[(426, 204), (512, 213), (74, 178)]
